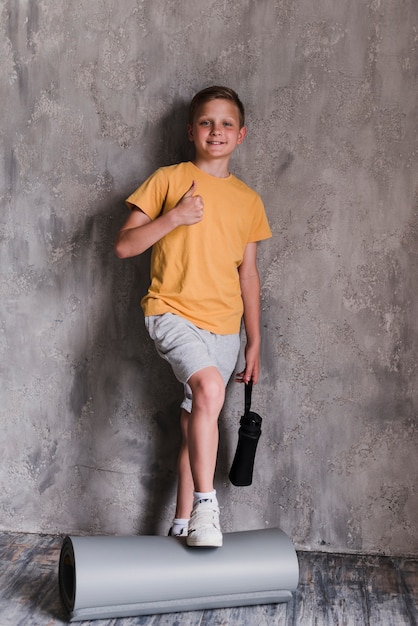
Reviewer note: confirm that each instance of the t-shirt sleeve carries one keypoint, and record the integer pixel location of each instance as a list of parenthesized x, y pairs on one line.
[(151, 195), (260, 228)]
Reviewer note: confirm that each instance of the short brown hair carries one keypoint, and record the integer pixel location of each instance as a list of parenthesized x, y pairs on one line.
[(214, 93)]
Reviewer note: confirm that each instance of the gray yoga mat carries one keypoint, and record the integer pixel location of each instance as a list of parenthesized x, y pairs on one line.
[(108, 577)]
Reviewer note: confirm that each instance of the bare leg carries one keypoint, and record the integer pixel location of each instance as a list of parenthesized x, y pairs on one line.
[(185, 478), (199, 447), (208, 390)]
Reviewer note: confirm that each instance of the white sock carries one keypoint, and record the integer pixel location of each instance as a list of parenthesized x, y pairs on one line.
[(204, 495), (180, 524)]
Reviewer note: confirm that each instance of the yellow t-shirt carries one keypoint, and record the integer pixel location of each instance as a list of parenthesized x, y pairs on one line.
[(194, 269)]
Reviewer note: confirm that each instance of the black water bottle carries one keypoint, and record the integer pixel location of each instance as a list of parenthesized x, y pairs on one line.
[(241, 473)]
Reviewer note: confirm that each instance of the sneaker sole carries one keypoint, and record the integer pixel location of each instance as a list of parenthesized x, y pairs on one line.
[(195, 543)]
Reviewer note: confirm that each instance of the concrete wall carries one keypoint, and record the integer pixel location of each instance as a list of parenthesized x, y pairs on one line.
[(93, 99)]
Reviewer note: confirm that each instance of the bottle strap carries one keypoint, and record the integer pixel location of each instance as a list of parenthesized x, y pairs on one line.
[(248, 392)]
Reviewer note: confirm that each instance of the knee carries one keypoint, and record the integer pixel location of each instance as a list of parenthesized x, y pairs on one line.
[(208, 390)]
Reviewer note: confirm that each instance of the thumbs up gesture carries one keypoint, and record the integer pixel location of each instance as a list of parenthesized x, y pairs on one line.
[(190, 207)]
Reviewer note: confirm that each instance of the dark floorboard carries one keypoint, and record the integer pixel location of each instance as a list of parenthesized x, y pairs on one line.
[(337, 590)]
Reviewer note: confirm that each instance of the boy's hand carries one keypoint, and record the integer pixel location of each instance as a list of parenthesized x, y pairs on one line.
[(252, 366), (189, 209)]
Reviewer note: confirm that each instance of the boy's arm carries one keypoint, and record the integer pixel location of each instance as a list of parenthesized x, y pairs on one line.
[(140, 232), (250, 291)]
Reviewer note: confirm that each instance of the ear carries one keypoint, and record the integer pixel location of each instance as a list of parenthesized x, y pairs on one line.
[(190, 132), (241, 135)]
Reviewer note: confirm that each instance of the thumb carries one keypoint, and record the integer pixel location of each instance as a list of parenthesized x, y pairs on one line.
[(191, 190)]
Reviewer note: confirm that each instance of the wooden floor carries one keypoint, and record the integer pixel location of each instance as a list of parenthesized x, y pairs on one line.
[(334, 589)]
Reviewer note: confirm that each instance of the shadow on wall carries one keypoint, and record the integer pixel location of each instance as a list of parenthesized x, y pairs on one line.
[(124, 396), (171, 142)]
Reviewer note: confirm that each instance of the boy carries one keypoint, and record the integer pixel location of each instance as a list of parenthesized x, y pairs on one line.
[(203, 224)]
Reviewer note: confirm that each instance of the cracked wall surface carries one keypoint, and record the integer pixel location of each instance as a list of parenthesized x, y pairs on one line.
[(94, 98)]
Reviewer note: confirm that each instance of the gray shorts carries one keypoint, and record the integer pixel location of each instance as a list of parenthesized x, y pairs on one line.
[(189, 349)]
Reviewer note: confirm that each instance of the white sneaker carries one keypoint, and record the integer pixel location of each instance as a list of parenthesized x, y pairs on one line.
[(204, 528)]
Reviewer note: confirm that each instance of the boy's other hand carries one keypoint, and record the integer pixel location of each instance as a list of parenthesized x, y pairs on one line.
[(252, 366), (189, 209)]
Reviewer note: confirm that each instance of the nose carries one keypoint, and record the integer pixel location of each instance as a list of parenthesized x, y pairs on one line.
[(216, 129)]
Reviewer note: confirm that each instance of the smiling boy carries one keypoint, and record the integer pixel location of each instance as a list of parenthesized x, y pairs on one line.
[(203, 224)]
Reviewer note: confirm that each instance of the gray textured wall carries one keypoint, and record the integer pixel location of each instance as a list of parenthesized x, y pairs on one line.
[(93, 99)]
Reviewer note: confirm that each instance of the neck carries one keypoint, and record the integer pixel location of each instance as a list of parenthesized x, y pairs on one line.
[(218, 168)]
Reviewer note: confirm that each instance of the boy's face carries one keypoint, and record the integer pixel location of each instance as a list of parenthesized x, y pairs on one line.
[(216, 129)]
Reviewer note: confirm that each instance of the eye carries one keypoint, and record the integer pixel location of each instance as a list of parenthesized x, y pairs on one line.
[(228, 124), (204, 123)]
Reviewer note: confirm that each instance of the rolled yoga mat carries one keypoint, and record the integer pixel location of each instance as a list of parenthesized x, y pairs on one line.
[(106, 577)]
